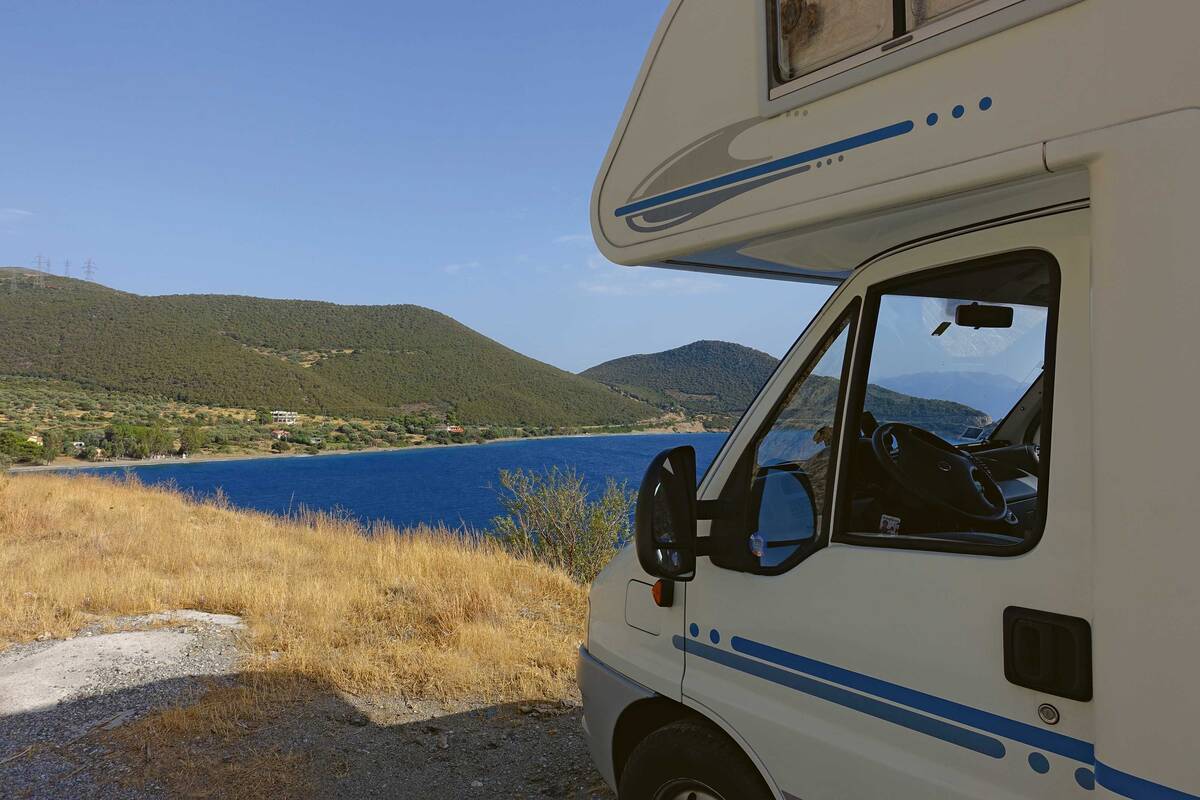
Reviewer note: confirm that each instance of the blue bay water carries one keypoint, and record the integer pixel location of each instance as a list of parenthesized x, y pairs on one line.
[(452, 485)]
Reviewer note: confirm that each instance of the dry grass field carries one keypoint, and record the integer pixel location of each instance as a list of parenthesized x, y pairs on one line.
[(421, 613)]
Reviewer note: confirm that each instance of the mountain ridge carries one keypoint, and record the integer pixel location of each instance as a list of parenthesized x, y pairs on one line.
[(312, 356)]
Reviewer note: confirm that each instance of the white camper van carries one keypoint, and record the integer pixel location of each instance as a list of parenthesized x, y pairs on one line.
[(977, 582)]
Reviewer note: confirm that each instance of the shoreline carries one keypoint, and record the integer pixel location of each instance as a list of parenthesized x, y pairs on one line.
[(71, 465)]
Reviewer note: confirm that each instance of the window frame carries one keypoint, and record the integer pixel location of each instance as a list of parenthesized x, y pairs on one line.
[(778, 84), (904, 48), (856, 401), (738, 489)]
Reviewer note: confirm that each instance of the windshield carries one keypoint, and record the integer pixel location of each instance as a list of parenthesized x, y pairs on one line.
[(952, 379)]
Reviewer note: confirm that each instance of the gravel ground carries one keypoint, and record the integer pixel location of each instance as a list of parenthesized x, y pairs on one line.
[(59, 699), (381, 748)]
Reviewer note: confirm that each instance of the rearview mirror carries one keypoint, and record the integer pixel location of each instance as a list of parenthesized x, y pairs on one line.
[(977, 316), (665, 520)]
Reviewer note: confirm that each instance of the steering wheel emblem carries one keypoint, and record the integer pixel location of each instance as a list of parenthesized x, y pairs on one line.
[(944, 466)]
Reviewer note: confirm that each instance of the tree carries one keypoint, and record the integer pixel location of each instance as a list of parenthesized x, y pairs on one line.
[(138, 441), (52, 446), (19, 448), (192, 439)]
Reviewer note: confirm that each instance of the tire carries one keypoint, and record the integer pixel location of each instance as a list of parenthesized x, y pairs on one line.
[(690, 760)]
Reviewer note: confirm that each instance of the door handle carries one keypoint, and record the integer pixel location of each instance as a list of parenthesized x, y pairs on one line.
[(1048, 652)]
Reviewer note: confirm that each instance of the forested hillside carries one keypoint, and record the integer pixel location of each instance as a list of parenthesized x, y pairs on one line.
[(321, 358), (703, 377)]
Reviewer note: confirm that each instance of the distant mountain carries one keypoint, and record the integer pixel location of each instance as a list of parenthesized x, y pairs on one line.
[(993, 394), (365, 361), (702, 377), (813, 408)]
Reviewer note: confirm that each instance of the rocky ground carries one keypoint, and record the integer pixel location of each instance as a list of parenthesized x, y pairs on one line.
[(63, 702)]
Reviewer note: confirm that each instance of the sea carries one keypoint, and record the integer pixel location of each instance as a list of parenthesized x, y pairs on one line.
[(451, 485)]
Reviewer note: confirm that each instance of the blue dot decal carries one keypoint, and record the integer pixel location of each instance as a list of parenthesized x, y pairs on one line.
[(1038, 763), (958, 112), (1085, 778), (694, 630), (931, 120), (714, 636), (985, 104)]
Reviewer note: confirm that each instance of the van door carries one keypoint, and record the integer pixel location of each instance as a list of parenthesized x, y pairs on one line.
[(897, 600)]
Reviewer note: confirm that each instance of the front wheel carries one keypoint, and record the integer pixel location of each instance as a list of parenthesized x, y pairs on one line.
[(690, 760)]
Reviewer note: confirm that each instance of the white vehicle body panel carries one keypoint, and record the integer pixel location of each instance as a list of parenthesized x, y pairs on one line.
[(1087, 149), (649, 659), (694, 116), (923, 622)]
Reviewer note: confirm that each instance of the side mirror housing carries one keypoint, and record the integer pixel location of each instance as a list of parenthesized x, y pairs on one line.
[(665, 520)]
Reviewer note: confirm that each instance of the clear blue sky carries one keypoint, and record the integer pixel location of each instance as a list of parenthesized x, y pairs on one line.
[(371, 152)]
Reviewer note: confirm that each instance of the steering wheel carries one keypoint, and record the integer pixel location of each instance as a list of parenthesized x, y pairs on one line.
[(938, 473)]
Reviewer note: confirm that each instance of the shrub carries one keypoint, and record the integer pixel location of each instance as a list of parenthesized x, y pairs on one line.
[(551, 519)]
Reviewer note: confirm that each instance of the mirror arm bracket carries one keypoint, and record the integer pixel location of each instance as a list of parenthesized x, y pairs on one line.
[(721, 508)]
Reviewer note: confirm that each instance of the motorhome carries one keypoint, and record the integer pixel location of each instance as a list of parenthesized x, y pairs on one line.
[(988, 591)]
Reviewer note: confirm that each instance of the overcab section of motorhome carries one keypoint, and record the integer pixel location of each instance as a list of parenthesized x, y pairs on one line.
[(948, 550)]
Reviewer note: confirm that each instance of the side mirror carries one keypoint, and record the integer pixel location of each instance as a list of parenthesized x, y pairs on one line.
[(665, 520), (786, 511)]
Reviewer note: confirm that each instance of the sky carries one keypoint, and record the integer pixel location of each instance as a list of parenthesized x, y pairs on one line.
[(441, 154)]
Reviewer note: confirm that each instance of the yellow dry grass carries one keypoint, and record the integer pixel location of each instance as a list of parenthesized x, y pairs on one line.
[(421, 612)]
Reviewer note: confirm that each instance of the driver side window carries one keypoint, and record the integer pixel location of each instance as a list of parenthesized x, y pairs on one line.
[(960, 366)]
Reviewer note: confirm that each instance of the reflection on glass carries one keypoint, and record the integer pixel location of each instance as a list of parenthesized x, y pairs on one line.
[(786, 517), (815, 33), (922, 12), (792, 457)]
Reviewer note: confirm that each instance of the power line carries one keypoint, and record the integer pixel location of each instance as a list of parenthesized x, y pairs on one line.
[(89, 269), (67, 267)]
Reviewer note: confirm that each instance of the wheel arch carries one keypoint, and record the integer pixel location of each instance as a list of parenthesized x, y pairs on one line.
[(639, 721), (644, 717)]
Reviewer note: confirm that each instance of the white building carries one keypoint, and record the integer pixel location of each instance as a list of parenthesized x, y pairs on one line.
[(284, 417)]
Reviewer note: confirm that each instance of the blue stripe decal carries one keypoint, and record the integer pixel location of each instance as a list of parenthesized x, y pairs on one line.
[(896, 715), (983, 720), (1131, 786), (766, 168), (1114, 780)]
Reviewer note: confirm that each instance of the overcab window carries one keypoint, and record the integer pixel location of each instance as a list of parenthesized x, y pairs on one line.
[(819, 38)]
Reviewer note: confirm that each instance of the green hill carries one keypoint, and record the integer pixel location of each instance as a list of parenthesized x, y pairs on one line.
[(321, 358), (721, 379), (704, 377)]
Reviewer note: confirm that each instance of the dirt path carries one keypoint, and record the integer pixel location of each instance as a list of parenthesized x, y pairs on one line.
[(64, 704)]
